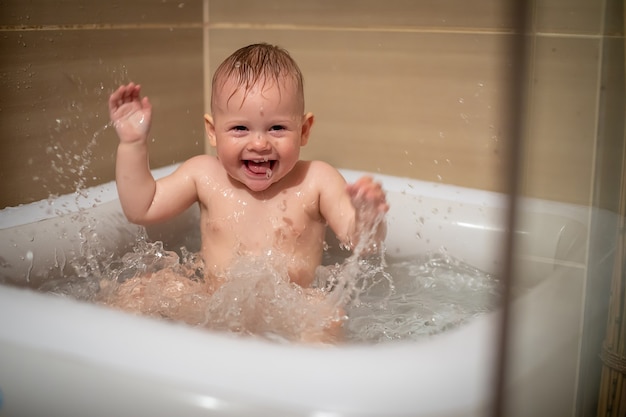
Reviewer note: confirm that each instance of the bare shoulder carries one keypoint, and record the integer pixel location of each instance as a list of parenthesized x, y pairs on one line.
[(199, 165), (201, 160), (324, 174)]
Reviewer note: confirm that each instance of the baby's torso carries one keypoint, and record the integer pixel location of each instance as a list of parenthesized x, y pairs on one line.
[(283, 227)]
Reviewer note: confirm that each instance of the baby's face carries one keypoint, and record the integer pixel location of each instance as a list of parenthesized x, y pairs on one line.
[(258, 133)]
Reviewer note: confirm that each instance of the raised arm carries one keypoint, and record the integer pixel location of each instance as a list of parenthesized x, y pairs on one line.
[(142, 200)]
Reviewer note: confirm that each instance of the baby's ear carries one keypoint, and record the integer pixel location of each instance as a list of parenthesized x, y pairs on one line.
[(307, 123), (209, 126)]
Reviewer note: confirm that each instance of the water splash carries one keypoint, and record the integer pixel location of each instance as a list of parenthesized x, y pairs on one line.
[(383, 299)]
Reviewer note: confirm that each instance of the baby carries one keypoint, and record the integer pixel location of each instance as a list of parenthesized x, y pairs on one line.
[(256, 197)]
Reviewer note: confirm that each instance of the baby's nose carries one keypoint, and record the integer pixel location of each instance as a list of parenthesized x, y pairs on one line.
[(259, 142)]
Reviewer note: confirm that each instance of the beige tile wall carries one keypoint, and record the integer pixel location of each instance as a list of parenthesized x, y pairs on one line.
[(573, 86), (61, 59), (610, 146), (409, 88), (562, 119)]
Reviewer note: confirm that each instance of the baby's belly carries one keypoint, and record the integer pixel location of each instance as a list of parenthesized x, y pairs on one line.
[(297, 267)]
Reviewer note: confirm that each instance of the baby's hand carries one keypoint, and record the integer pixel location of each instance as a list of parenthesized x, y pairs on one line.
[(369, 201), (130, 114)]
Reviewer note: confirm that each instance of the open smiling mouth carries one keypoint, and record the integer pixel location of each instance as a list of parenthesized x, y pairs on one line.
[(259, 167)]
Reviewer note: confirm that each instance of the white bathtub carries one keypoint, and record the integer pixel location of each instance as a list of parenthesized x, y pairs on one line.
[(61, 357)]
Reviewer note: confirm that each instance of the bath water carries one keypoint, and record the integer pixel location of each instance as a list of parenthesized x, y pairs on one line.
[(377, 298)]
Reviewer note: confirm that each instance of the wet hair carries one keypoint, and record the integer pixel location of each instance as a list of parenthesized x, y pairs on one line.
[(258, 64)]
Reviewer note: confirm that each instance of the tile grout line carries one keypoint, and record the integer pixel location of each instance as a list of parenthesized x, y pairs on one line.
[(394, 29), (249, 26), (99, 26), (292, 27)]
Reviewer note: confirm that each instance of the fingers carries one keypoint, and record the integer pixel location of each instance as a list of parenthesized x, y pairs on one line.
[(145, 103), (367, 191), (113, 99), (124, 94)]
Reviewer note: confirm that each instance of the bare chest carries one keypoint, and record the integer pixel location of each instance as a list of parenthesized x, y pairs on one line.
[(289, 221)]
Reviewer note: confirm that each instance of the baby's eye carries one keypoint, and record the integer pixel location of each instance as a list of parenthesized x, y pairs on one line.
[(239, 128), (277, 127)]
